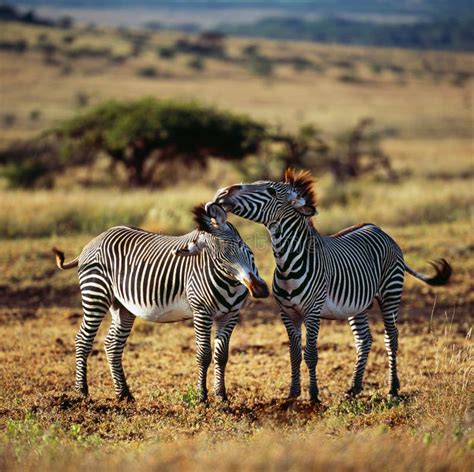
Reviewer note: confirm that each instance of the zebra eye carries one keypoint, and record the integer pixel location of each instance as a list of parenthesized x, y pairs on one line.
[(272, 192)]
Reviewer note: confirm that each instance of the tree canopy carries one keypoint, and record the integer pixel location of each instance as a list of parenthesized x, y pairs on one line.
[(144, 134)]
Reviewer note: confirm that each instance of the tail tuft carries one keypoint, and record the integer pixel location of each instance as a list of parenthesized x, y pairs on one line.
[(60, 260), (443, 272), (59, 257)]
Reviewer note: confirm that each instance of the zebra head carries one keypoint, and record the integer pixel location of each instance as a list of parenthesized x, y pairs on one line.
[(232, 257), (268, 202)]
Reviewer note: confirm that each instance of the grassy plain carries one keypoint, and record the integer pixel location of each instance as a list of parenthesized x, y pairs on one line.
[(429, 212)]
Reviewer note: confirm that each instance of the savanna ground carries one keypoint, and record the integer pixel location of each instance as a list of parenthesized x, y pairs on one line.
[(429, 213)]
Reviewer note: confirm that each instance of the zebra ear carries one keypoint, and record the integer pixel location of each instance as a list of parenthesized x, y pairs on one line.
[(300, 205), (194, 248), (217, 214), (307, 210)]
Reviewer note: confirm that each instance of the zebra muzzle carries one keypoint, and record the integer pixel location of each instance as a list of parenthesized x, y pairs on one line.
[(225, 203), (224, 196), (256, 286)]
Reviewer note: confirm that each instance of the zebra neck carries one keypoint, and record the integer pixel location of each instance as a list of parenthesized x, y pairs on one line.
[(291, 238)]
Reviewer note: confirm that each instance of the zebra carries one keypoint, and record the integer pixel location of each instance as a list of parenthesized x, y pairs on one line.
[(204, 275), (331, 277)]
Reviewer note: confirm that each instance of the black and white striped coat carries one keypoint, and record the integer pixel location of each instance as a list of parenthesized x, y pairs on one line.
[(204, 275), (320, 276)]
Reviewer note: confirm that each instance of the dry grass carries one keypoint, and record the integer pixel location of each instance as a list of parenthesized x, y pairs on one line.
[(62, 212), (46, 425)]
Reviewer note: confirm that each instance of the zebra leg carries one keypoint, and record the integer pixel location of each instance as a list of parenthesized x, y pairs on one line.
[(221, 354), (312, 323), (293, 329), (96, 301), (122, 323), (363, 339), (389, 307), (202, 330)]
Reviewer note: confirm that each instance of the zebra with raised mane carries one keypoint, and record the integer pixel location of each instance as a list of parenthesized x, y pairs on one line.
[(335, 277), (203, 275)]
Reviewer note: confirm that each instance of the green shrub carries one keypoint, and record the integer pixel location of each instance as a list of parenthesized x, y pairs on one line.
[(35, 115), (166, 52), (8, 120), (81, 99), (25, 174), (148, 72), (350, 78), (196, 63), (261, 66), (29, 164)]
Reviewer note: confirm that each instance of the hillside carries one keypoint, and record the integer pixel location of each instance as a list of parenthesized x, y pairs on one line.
[(426, 24)]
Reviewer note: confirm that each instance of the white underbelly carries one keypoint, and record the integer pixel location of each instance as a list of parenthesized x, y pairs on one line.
[(178, 310), (336, 311)]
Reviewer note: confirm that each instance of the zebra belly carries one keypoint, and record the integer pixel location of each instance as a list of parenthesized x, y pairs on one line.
[(178, 310), (334, 310)]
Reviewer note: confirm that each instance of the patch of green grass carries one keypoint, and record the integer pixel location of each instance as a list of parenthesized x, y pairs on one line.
[(363, 406), (28, 434), (191, 397)]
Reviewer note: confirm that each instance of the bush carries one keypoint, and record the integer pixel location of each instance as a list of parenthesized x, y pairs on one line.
[(118, 59), (166, 52), (148, 72), (68, 38), (203, 46), (350, 155), (376, 67), (47, 48), (250, 50), (35, 115), (25, 174), (8, 120), (29, 164), (88, 51), (81, 99), (19, 46), (261, 66), (196, 63), (300, 63), (351, 78), (66, 69)]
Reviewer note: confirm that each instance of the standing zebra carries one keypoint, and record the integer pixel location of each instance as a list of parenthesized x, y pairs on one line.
[(335, 277), (203, 275)]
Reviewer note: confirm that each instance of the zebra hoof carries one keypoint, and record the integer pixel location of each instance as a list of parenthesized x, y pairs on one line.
[(126, 396), (315, 401), (83, 392), (393, 395), (293, 395), (353, 392)]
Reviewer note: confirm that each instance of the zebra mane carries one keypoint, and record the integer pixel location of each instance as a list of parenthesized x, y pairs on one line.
[(302, 181), (202, 219)]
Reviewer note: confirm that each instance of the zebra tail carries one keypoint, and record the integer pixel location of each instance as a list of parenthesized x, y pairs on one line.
[(60, 260), (443, 273)]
